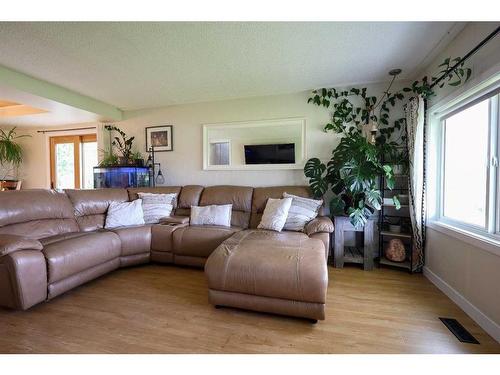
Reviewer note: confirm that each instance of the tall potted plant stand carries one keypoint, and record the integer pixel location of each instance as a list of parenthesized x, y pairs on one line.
[(354, 254)]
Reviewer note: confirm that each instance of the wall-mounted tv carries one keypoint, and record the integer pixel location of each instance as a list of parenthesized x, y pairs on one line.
[(270, 154)]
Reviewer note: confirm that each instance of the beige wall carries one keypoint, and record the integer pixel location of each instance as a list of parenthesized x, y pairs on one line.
[(471, 271), (34, 170), (184, 164)]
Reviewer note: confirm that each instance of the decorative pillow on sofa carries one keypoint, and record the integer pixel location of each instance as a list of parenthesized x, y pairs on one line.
[(211, 215), (121, 214), (275, 213), (302, 211), (156, 206)]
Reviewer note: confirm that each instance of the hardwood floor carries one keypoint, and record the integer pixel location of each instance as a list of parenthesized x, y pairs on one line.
[(164, 309)]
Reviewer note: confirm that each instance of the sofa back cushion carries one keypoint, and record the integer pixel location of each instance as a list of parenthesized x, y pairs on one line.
[(189, 196), (261, 195), (239, 196), (36, 213), (91, 206)]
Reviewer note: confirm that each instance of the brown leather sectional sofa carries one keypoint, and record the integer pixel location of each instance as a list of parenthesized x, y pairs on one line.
[(51, 242)]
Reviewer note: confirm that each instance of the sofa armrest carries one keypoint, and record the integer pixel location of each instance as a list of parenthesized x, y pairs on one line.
[(175, 220), (10, 243), (322, 224)]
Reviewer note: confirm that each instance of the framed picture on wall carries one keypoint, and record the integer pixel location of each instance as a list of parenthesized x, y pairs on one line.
[(160, 137)]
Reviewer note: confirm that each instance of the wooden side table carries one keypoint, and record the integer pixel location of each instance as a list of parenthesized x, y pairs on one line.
[(352, 254)]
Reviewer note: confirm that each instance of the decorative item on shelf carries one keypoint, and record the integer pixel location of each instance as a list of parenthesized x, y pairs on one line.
[(159, 137), (395, 250)]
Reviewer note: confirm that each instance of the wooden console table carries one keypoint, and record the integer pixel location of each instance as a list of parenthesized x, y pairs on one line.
[(352, 254)]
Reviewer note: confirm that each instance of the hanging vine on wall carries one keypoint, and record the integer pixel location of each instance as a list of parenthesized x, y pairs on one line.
[(352, 172)]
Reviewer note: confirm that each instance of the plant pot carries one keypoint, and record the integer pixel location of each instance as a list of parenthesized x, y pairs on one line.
[(395, 228), (139, 162), (397, 169), (122, 160), (8, 185), (388, 201)]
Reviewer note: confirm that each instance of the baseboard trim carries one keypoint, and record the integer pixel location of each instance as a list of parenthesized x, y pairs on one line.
[(492, 328)]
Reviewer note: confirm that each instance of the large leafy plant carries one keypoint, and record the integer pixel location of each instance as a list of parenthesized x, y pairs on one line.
[(11, 152), (352, 175), (352, 172)]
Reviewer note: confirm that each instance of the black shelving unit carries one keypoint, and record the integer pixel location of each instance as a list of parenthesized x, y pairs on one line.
[(389, 212)]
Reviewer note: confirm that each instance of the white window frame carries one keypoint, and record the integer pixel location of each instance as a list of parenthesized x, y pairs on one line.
[(219, 141), (489, 236)]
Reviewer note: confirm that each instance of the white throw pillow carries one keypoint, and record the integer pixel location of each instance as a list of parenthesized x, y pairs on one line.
[(156, 206), (275, 213), (121, 214), (211, 215), (302, 211)]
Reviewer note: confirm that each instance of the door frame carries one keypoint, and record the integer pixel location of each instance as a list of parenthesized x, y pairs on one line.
[(66, 133), (64, 139)]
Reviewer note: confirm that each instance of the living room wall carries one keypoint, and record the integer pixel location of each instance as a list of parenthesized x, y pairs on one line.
[(465, 271), (184, 164)]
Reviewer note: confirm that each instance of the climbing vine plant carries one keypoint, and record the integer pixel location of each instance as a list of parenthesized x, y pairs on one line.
[(352, 172)]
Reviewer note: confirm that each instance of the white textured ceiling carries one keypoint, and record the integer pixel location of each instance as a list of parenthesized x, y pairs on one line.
[(141, 65)]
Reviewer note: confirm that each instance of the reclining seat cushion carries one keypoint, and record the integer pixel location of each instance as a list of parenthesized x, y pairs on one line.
[(91, 206), (60, 237), (239, 196), (73, 255), (200, 240), (285, 265), (134, 240), (36, 213)]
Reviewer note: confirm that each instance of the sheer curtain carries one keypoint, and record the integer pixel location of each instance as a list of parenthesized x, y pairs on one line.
[(415, 123)]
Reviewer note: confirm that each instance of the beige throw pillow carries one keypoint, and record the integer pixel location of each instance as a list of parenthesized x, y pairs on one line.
[(301, 212), (121, 214), (275, 214), (156, 206), (211, 215)]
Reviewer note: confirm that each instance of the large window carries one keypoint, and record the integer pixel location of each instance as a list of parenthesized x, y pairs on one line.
[(469, 197)]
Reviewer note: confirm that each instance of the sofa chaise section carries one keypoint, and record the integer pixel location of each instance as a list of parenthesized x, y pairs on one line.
[(282, 273)]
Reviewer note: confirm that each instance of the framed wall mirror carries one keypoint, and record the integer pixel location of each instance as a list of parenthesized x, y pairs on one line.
[(255, 145)]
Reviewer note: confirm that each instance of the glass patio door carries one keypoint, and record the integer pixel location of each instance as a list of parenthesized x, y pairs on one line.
[(72, 159)]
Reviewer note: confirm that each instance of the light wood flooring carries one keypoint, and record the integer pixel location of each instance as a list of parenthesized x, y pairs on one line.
[(164, 309)]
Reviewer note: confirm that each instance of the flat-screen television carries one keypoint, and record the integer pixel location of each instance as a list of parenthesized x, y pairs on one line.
[(270, 154)]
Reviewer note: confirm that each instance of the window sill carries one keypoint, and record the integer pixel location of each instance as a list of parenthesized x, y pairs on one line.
[(488, 244)]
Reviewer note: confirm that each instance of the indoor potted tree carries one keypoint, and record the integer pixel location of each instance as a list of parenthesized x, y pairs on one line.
[(11, 157)]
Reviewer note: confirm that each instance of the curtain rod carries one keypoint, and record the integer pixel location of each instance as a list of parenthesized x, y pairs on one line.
[(66, 130), (468, 55)]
